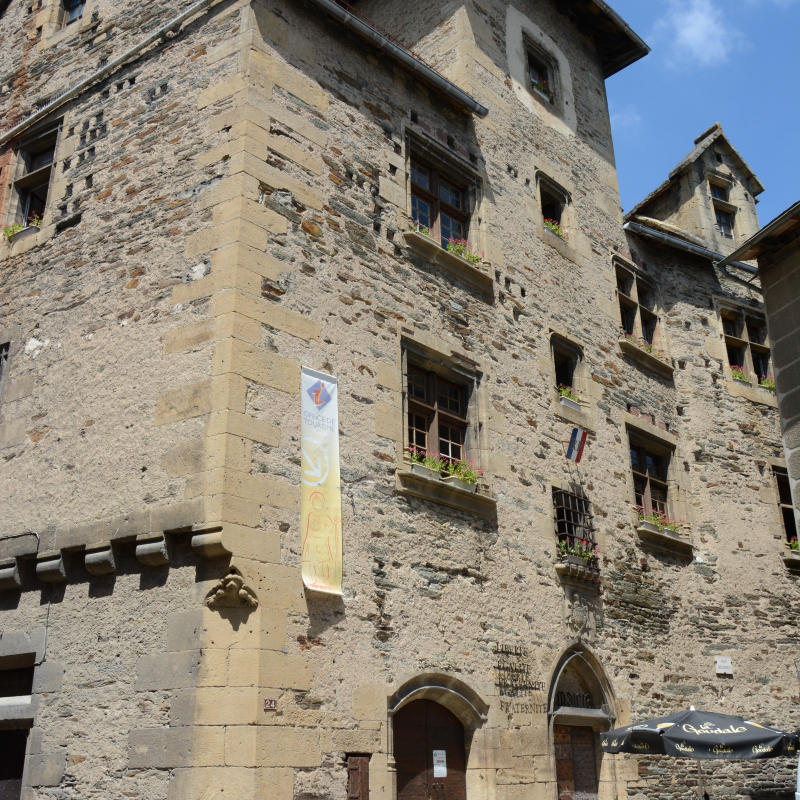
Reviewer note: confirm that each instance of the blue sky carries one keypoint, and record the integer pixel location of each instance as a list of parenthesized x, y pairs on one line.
[(735, 62)]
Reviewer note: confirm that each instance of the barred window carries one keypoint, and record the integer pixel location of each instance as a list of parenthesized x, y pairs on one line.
[(574, 523)]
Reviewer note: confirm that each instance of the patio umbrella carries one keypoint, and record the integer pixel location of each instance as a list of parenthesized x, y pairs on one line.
[(700, 735)]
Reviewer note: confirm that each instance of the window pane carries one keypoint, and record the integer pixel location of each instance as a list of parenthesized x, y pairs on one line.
[(417, 384), (638, 490), (628, 316), (755, 334), (784, 491), (420, 176), (42, 159), (450, 194), (789, 524), (420, 212), (719, 192), (636, 466), (449, 397), (418, 431), (451, 229), (658, 496), (761, 365), (74, 9), (655, 466), (736, 356), (724, 223), (573, 517), (649, 331), (729, 327), (450, 442)]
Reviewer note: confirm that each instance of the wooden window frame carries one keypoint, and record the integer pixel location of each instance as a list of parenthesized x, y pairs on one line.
[(785, 505), (28, 179), (737, 335), (638, 317), (725, 192), (722, 226), (560, 348), (536, 58), (67, 6), (429, 408), (650, 481), (432, 196)]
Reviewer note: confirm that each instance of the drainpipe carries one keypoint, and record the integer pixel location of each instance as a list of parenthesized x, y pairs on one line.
[(673, 241), (419, 68), (79, 87)]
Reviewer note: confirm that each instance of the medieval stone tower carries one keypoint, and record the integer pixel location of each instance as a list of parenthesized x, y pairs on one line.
[(202, 199)]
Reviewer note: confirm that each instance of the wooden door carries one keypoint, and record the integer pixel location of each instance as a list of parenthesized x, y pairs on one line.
[(420, 728), (576, 762)]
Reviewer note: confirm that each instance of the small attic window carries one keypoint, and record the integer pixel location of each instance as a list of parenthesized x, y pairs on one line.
[(719, 192), (718, 156)]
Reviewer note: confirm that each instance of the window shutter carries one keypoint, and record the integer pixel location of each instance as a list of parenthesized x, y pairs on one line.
[(358, 778)]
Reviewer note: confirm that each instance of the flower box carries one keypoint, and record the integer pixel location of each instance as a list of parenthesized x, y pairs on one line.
[(664, 540), (634, 351), (542, 94), (792, 559), (743, 383), (453, 480), (24, 233), (426, 472), (565, 401)]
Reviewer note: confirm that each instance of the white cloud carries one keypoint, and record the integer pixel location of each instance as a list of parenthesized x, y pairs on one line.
[(696, 32), (625, 120)]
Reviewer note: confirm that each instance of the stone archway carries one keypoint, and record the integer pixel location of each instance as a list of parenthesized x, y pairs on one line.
[(432, 715), (580, 705)]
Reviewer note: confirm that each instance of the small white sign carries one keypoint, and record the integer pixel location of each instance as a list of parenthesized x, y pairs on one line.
[(439, 763), (724, 665)]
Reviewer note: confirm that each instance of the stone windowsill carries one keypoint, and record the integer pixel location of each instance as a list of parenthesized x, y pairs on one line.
[(437, 491), (577, 569), (792, 559), (756, 394), (667, 542), (20, 709), (478, 275), (556, 242), (646, 359), (583, 418)]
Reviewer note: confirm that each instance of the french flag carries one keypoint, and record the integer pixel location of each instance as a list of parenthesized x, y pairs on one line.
[(576, 445)]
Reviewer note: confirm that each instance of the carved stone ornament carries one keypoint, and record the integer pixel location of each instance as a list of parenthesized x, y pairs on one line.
[(580, 618), (230, 592)]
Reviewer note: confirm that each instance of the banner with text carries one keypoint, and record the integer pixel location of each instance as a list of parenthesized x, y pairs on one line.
[(321, 495)]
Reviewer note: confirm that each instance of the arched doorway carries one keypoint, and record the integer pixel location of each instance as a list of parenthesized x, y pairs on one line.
[(579, 709), (429, 753)]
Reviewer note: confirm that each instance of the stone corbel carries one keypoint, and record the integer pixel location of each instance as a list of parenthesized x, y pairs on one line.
[(99, 559), (151, 549), (209, 544), (9, 575), (50, 567)]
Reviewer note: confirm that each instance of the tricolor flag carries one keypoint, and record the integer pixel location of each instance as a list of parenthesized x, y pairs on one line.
[(576, 445)]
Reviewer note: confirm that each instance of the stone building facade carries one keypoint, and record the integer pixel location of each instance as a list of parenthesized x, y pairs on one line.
[(228, 191)]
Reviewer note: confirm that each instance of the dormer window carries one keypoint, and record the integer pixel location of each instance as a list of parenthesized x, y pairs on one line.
[(724, 222), (719, 192)]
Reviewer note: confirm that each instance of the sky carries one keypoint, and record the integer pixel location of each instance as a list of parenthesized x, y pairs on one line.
[(736, 62)]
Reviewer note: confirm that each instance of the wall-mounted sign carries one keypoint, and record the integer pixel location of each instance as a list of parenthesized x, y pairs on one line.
[(270, 704), (724, 665), (439, 763), (513, 676), (320, 491)]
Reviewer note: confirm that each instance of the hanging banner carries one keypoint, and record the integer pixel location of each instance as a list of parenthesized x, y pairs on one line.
[(320, 495)]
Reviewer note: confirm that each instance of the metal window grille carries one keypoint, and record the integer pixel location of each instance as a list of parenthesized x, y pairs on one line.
[(574, 526)]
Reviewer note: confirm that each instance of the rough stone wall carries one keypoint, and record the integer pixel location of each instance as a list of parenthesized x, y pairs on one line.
[(289, 170)]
